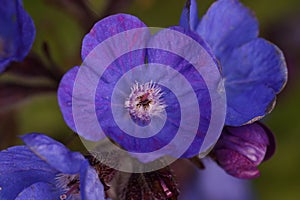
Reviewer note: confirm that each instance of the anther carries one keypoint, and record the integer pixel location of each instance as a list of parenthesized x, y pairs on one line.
[(166, 189), (63, 197), (69, 184), (72, 190), (144, 102)]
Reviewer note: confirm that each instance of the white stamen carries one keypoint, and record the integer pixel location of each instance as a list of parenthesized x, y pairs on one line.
[(0, 188), (145, 101), (69, 183)]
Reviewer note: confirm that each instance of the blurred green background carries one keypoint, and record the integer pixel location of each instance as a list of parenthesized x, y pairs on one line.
[(62, 28)]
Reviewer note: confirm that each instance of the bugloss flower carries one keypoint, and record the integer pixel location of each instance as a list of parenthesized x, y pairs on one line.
[(46, 169), (148, 94), (254, 69), (17, 32), (241, 149)]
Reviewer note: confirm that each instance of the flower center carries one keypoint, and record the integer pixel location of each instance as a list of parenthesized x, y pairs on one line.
[(69, 183), (144, 102)]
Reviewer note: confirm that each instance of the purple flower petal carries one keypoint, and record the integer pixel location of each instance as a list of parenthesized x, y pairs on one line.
[(20, 168), (21, 153), (90, 186), (254, 73), (236, 164), (44, 168), (106, 28), (87, 126), (27, 31), (37, 191), (189, 16), (227, 25), (272, 142), (64, 95), (17, 32), (241, 149), (196, 80), (254, 70), (54, 153)]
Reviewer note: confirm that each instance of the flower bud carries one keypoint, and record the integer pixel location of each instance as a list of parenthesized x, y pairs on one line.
[(241, 149)]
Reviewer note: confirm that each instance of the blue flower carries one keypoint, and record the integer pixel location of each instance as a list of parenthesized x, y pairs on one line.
[(254, 69), (17, 32), (46, 169), (144, 96)]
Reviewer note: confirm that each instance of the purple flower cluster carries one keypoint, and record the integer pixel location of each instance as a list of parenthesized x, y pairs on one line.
[(253, 69), (146, 96)]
